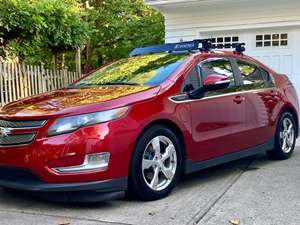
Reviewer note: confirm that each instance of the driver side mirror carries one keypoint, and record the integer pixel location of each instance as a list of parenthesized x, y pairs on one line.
[(211, 82)]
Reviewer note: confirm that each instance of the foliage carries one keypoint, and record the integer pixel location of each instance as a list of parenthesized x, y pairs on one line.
[(37, 30), (141, 70), (120, 26), (41, 27)]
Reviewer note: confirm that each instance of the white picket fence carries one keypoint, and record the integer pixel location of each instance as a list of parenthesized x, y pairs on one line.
[(20, 80)]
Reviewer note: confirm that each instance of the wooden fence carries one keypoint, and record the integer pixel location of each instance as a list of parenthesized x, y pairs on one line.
[(20, 80)]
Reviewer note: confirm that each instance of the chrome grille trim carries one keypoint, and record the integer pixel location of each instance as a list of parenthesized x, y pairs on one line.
[(22, 124), (17, 139)]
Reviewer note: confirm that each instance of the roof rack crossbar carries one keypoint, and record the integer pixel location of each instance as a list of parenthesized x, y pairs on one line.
[(187, 46)]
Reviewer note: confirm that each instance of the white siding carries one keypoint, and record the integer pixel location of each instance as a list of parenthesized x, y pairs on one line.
[(185, 22), (243, 18)]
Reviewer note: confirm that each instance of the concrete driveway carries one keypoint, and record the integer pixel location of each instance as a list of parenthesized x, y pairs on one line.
[(252, 191)]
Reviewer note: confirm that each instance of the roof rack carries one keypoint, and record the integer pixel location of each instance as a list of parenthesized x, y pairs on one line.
[(187, 46)]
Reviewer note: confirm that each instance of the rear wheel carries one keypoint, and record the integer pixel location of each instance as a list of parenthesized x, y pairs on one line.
[(285, 138), (156, 163)]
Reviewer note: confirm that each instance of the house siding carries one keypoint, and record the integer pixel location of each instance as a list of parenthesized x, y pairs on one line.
[(186, 22), (190, 20)]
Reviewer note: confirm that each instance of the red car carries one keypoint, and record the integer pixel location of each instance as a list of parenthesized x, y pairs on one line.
[(140, 123)]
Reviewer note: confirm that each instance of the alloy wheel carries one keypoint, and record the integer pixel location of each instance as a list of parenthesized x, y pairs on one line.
[(159, 163), (287, 135)]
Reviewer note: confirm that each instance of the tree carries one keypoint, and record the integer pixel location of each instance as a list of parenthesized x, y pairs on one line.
[(120, 26), (65, 28), (52, 30), (41, 27), (18, 22)]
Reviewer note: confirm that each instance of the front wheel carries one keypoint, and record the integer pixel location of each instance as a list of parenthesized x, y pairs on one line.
[(285, 138), (156, 163)]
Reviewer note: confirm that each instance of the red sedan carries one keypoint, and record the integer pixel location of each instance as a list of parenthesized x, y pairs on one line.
[(140, 123)]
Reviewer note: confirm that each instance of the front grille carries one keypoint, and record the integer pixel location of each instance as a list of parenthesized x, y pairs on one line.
[(16, 139), (22, 124)]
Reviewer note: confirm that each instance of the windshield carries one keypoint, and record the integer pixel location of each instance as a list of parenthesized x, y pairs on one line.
[(142, 70)]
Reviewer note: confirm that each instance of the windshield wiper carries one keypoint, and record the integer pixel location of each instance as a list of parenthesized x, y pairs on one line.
[(82, 85), (120, 83)]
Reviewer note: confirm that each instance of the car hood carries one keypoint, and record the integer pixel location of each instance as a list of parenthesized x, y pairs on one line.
[(77, 101)]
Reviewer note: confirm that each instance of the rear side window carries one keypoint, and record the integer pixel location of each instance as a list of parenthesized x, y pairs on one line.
[(251, 75), (267, 78)]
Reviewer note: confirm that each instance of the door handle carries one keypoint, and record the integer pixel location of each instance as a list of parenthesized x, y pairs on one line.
[(238, 99)]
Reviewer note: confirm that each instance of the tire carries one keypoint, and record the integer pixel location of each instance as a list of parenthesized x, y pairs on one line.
[(151, 160), (285, 138)]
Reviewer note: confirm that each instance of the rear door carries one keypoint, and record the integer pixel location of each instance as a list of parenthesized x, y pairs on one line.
[(261, 101), (218, 119)]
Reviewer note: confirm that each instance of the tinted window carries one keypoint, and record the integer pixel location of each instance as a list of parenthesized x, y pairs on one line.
[(144, 70), (192, 81), (267, 78), (251, 75), (218, 66)]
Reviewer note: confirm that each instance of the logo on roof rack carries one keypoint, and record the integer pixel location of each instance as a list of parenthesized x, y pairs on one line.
[(186, 46)]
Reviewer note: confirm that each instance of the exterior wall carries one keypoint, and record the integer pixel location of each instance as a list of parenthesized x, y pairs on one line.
[(185, 22), (188, 20)]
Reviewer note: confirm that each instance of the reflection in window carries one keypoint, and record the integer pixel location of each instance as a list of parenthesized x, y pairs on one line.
[(147, 70), (251, 74), (218, 66)]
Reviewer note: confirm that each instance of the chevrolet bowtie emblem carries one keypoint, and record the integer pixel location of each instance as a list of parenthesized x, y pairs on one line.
[(4, 132)]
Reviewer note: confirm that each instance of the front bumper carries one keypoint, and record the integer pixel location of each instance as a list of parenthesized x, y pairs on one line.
[(24, 180)]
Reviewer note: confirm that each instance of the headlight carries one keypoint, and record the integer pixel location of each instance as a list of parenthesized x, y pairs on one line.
[(72, 123)]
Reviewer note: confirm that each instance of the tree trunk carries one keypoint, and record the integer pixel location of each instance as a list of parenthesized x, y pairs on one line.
[(53, 61), (88, 45), (63, 59), (78, 61), (88, 56), (100, 59)]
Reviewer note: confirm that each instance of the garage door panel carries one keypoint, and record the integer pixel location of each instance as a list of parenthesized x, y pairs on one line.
[(276, 63), (287, 65)]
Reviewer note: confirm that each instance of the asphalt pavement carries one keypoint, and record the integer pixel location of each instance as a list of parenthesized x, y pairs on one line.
[(251, 191)]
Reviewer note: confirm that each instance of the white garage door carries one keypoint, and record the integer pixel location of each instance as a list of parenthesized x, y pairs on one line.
[(277, 48)]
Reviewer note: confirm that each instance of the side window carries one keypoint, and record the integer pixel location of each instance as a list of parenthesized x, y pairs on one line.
[(267, 78), (251, 75), (192, 81), (219, 67)]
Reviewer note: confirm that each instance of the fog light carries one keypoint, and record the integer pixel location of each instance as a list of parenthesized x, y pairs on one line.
[(92, 162)]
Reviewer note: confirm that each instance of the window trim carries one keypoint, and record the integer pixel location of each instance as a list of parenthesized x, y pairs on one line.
[(271, 40), (223, 42)]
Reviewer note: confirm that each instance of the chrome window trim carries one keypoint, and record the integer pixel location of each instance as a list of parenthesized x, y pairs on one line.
[(217, 96)]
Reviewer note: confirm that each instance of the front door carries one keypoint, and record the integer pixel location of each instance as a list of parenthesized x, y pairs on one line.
[(218, 119)]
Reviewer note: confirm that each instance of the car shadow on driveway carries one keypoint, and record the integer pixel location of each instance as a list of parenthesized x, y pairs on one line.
[(187, 182)]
